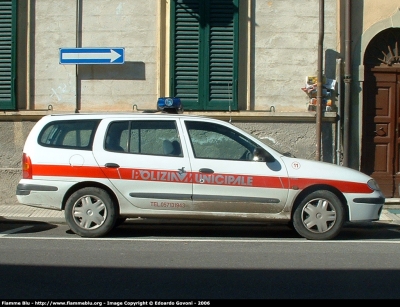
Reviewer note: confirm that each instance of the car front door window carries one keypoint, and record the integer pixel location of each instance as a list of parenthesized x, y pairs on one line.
[(212, 141)]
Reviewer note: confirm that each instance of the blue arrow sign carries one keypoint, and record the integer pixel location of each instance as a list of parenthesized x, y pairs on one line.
[(92, 55)]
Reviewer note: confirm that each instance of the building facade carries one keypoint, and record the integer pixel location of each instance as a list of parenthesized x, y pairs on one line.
[(253, 63)]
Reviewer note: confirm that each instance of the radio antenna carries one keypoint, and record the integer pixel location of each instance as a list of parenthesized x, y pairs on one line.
[(230, 100)]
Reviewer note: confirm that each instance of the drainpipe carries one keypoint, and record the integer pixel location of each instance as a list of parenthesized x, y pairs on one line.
[(320, 79), (28, 56), (347, 84), (340, 114), (78, 45)]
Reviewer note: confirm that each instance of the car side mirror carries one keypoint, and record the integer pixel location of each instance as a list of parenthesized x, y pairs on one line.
[(261, 155)]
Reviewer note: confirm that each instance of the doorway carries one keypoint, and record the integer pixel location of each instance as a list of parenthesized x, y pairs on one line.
[(381, 112), (380, 154)]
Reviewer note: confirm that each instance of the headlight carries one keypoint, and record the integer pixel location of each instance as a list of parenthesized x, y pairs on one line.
[(373, 185)]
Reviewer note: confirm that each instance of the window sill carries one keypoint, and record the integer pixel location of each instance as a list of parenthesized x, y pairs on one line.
[(241, 116)]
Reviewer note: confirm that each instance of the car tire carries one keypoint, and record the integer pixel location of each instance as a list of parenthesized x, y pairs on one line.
[(90, 212), (319, 216)]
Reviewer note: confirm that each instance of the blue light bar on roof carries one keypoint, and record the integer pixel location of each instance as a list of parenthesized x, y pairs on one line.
[(169, 104)]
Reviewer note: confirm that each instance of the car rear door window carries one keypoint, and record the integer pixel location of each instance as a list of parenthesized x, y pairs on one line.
[(146, 137)]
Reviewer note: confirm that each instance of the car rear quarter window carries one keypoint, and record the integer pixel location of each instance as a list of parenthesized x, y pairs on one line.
[(69, 134)]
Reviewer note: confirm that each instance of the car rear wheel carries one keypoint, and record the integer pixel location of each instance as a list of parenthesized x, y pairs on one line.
[(90, 212), (319, 216)]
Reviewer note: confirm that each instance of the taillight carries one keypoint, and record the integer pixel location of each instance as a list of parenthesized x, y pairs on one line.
[(26, 167)]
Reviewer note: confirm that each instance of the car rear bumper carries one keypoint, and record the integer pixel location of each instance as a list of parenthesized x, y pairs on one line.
[(42, 193)]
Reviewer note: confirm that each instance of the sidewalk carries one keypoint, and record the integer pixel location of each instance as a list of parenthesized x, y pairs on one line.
[(390, 213), (22, 212)]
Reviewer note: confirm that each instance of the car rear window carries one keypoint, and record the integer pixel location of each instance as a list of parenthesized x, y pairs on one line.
[(70, 134)]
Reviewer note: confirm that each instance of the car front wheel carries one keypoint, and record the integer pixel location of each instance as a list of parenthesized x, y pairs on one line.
[(319, 216), (90, 212)]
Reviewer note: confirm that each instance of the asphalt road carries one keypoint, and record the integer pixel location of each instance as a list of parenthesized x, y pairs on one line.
[(197, 262)]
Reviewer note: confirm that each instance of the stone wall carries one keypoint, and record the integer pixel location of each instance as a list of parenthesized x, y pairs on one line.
[(12, 139)]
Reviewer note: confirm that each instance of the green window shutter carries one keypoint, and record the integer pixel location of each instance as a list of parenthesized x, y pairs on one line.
[(222, 48), (204, 53), (186, 53), (7, 53)]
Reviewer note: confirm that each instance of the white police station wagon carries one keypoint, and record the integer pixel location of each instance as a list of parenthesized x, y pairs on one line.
[(103, 168)]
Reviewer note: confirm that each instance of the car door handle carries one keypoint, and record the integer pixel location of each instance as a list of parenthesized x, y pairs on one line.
[(206, 170), (112, 165)]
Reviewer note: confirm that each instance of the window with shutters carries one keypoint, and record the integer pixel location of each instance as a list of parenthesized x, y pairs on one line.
[(204, 53), (7, 53)]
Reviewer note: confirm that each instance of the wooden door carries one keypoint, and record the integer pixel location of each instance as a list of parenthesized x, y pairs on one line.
[(380, 145)]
